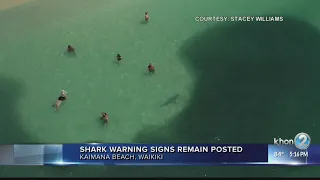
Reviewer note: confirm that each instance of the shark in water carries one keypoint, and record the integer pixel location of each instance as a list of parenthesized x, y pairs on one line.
[(171, 100)]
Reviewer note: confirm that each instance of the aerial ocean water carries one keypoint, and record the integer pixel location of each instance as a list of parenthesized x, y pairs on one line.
[(234, 82)]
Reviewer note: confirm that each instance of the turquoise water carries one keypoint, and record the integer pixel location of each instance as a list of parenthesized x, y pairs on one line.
[(254, 79)]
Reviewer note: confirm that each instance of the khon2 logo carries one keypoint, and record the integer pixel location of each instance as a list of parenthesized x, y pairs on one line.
[(302, 141)]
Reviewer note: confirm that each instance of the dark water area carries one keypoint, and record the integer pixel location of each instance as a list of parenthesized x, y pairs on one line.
[(255, 80), (11, 91)]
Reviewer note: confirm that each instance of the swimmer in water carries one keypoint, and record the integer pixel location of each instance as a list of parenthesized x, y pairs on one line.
[(63, 96), (146, 17), (70, 49), (119, 58), (104, 117), (151, 68)]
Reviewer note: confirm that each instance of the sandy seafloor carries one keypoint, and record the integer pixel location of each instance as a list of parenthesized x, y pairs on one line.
[(238, 82)]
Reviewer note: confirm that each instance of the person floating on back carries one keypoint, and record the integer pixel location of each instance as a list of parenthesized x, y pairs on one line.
[(63, 96), (119, 58), (104, 117), (146, 17), (70, 49), (151, 68)]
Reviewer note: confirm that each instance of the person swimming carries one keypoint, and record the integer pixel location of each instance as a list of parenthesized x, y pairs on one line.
[(63, 96), (104, 117), (119, 58), (151, 68), (146, 16), (71, 49)]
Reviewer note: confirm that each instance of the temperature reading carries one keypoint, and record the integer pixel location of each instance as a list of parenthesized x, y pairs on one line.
[(278, 154)]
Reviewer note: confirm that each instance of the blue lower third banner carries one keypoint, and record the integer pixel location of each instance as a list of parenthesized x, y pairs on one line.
[(161, 154), (180, 154), (157, 154)]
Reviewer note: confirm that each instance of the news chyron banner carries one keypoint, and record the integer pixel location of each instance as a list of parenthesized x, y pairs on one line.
[(296, 151)]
